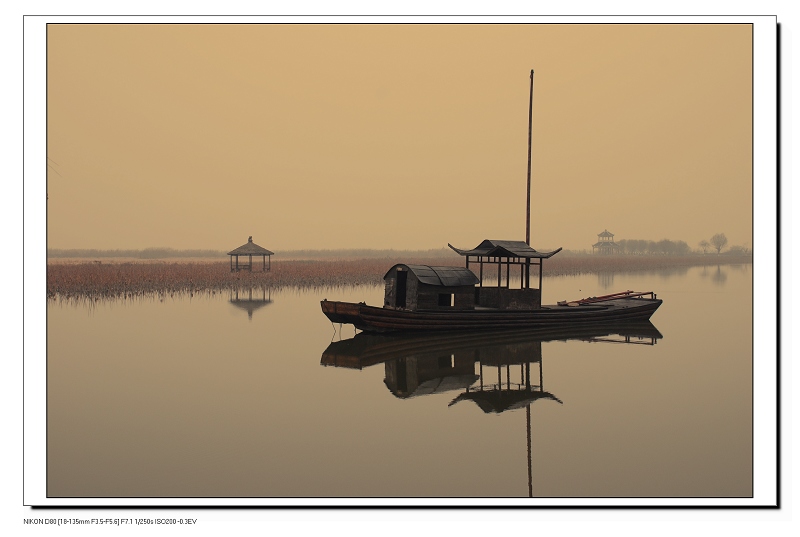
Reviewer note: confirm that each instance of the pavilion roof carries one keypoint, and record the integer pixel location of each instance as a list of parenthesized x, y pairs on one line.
[(250, 248), (491, 248)]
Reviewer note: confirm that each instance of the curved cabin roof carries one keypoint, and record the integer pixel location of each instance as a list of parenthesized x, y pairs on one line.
[(441, 276), (250, 248), (505, 249), (436, 385)]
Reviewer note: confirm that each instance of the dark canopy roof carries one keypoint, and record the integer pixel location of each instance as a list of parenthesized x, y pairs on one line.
[(499, 401), (250, 248), (505, 249), (442, 276)]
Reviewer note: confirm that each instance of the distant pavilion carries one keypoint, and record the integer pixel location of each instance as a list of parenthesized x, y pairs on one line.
[(250, 249), (605, 244)]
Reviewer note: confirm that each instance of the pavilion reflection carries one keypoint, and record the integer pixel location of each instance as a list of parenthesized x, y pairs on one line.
[(250, 299), (499, 371)]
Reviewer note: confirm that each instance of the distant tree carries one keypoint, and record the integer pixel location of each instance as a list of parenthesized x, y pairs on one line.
[(704, 245), (719, 241), (681, 248), (664, 247), (738, 250)]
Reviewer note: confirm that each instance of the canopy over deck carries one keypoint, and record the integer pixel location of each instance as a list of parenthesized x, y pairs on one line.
[(519, 249), (507, 253)]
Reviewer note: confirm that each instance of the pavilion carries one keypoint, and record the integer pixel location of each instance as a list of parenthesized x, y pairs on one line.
[(250, 249)]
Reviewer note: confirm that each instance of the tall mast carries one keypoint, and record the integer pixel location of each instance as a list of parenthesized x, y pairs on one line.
[(528, 209)]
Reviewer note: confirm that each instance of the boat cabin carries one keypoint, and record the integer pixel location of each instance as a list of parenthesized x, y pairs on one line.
[(422, 287), (426, 373)]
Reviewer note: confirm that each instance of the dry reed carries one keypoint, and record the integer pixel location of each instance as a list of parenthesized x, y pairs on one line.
[(96, 281)]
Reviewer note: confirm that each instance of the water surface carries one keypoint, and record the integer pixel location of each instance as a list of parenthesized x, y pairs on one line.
[(226, 396)]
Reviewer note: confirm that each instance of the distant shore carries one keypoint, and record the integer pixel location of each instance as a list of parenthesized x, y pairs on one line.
[(75, 278)]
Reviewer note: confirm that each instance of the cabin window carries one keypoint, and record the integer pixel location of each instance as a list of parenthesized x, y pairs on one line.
[(447, 362), (446, 299)]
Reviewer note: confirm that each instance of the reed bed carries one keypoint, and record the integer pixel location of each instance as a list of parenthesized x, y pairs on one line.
[(95, 281), (130, 280)]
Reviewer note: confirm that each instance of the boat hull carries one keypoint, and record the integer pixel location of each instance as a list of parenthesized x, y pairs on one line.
[(374, 319)]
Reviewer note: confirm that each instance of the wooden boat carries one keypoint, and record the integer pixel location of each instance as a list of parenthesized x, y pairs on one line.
[(422, 298), (620, 307)]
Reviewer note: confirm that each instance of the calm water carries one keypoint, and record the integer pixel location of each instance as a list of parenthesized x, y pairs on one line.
[(197, 396)]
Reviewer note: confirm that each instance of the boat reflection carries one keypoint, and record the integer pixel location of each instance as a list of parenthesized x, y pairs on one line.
[(250, 300), (492, 370), (460, 350)]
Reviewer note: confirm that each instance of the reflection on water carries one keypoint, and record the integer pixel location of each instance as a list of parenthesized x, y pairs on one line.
[(605, 279), (491, 370), (716, 275), (248, 301)]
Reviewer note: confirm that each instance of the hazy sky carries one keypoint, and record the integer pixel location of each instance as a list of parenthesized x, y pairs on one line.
[(396, 136)]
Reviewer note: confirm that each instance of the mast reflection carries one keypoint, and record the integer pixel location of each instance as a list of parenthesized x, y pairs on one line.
[(418, 365)]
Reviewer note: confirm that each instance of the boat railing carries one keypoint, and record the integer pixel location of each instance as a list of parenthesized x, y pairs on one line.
[(626, 340), (613, 296)]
